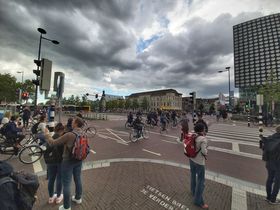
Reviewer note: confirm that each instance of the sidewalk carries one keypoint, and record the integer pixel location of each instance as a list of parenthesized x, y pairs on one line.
[(151, 184)]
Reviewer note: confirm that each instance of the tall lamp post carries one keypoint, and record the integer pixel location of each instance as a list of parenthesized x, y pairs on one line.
[(22, 73), (228, 70), (42, 31)]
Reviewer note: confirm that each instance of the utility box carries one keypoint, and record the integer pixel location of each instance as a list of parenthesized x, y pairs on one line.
[(46, 75)]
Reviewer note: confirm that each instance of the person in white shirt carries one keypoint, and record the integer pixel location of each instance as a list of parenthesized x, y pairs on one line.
[(41, 129)]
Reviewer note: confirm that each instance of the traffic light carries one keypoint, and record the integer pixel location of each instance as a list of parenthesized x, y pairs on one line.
[(38, 62), (87, 94), (103, 93), (36, 82), (192, 97), (25, 95), (96, 95)]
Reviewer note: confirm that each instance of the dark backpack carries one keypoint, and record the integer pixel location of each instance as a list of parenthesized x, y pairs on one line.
[(190, 145), (271, 149), (80, 149), (27, 185), (3, 130), (35, 127)]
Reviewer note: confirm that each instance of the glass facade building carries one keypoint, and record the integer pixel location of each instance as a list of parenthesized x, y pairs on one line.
[(256, 51)]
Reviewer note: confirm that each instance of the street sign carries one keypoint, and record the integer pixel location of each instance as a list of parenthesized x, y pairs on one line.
[(260, 100)]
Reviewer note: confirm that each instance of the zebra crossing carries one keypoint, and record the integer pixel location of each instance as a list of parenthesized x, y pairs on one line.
[(238, 137)]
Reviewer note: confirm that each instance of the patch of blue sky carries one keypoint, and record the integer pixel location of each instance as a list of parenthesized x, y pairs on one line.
[(143, 44), (164, 22)]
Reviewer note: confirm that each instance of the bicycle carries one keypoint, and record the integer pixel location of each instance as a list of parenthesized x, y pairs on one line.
[(90, 131), (26, 154), (128, 124), (135, 135)]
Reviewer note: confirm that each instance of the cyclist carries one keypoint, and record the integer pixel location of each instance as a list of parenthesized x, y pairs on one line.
[(173, 118), (13, 133), (163, 121), (138, 125), (130, 118)]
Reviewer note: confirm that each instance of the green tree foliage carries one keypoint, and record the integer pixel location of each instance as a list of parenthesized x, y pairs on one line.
[(145, 104), (201, 107), (8, 88), (127, 104), (212, 108), (271, 89), (135, 103), (121, 103)]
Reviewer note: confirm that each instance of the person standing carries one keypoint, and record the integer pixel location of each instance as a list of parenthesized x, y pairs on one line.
[(271, 155), (200, 120), (197, 167), (69, 166), (53, 159)]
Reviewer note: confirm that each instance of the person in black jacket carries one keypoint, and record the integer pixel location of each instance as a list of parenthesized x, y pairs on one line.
[(8, 190), (53, 159), (272, 158), (200, 120)]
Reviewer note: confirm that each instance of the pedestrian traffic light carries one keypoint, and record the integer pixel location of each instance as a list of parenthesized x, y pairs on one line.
[(96, 95)]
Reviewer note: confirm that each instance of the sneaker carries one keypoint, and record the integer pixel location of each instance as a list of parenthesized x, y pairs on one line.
[(274, 202), (52, 199), (204, 206), (267, 200), (62, 208), (77, 201), (59, 199)]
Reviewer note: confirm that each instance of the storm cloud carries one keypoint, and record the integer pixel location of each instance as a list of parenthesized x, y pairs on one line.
[(125, 46)]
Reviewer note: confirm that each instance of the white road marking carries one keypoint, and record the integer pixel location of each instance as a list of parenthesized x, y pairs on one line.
[(259, 157), (92, 151), (117, 140), (37, 166), (158, 154), (171, 142), (238, 199), (109, 130), (235, 147), (164, 135)]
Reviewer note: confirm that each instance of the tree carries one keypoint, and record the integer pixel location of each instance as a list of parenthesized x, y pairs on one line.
[(71, 100), (135, 103), (145, 104), (201, 107), (271, 90), (77, 101), (127, 104), (8, 88), (212, 108), (121, 103)]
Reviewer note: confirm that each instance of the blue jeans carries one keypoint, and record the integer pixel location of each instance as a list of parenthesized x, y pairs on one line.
[(197, 182), (273, 180), (54, 174), (70, 167)]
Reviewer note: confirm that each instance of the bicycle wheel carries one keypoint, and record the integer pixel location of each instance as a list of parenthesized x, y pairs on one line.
[(127, 125), (133, 136), (91, 132), (30, 154), (6, 153), (145, 133)]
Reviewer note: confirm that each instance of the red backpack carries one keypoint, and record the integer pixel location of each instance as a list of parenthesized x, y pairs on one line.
[(80, 149), (190, 145)]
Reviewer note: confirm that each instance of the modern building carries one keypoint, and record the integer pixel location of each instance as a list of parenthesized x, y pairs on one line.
[(256, 53), (167, 99)]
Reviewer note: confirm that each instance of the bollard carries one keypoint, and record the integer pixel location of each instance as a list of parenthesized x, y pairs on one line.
[(248, 118), (51, 117)]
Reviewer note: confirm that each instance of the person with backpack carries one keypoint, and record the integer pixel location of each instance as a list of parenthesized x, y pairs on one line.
[(271, 154), (197, 165), (53, 159), (71, 165)]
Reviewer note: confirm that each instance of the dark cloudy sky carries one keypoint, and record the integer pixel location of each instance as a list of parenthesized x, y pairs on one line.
[(126, 46)]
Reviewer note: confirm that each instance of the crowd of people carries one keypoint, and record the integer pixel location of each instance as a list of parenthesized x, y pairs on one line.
[(56, 155)]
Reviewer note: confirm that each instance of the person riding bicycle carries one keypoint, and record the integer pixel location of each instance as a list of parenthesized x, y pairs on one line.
[(130, 118), (163, 121), (173, 118), (138, 125), (13, 133)]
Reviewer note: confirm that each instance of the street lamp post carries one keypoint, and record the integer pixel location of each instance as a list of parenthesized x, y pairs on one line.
[(42, 31), (22, 73), (229, 98)]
